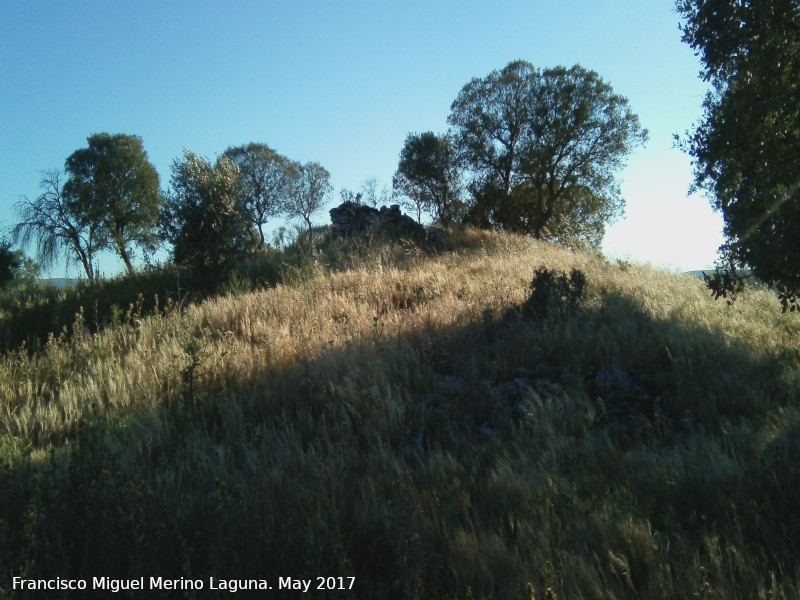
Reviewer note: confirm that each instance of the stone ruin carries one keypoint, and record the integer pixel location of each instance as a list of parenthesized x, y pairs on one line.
[(351, 219)]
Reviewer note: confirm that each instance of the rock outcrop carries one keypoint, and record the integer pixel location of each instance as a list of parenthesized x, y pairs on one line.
[(351, 219)]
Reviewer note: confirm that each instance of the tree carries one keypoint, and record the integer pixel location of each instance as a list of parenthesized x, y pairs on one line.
[(429, 177), (10, 262), (350, 196), (266, 180), (372, 195), (205, 218), (746, 147), (542, 148), (112, 183), (310, 192), (14, 265), (53, 224)]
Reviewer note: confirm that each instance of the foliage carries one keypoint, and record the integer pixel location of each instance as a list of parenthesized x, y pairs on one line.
[(746, 144), (310, 192), (554, 292), (15, 266), (196, 352), (10, 262), (205, 217), (266, 179), (542, 148), (112, 184), (429, 177), (52, 222)]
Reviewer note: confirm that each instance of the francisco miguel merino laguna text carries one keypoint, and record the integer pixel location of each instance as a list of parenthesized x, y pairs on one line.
[(160, 583)]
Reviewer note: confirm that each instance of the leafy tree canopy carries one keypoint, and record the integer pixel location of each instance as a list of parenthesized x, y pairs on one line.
[(14, 265), (429, 177), (266, 179), (746, 147), (310, 192), (10, 262), (112, 184), (542, 148), (205, 218)]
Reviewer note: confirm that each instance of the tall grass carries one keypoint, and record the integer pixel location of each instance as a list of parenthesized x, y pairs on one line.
[(402, 418)]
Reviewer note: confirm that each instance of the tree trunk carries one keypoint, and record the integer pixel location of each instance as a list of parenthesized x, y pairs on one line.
[(123, 252), (86, 262)]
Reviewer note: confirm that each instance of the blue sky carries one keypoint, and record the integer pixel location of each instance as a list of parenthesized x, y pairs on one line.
[(341, 83)]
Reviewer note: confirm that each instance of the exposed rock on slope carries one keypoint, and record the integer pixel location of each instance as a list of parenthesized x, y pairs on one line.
[(350, 219)]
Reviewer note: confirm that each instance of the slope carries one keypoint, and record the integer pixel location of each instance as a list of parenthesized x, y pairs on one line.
[(434, 426)]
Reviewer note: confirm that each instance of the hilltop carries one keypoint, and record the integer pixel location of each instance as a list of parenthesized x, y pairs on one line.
[(489, 419)]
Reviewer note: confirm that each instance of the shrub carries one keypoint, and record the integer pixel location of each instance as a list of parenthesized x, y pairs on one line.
[(553, 292)]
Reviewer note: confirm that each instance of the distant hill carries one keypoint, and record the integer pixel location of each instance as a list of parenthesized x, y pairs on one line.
[(700, 274), (61, 282), (747, 274)]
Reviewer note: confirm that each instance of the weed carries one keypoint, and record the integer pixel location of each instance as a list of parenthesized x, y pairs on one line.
[(195, 351)]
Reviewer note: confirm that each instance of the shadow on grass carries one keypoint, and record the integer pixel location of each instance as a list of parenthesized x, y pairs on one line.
[(467, 462)]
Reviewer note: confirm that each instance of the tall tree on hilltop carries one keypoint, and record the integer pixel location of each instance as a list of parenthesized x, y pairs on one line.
[(310, 192), (746, 147), (112, 183), (266, 179), (542, 149), (205, 218), (429, 177)]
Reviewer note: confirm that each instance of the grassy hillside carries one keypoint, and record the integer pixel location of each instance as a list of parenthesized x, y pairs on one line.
[(428, 424)]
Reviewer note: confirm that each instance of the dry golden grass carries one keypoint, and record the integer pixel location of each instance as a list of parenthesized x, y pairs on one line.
[(356, 421)]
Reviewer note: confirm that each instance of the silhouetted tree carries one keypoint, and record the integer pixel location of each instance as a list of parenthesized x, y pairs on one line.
[(112, 184), (428, 177), (205, 217), (350, 196), (542, 149), (53, 223), (14, 265), (10, 262), (373, 195), (746, 147), (310, 192), (266, 179)]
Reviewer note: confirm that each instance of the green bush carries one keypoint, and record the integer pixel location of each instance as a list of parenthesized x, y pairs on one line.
[(553, 292)]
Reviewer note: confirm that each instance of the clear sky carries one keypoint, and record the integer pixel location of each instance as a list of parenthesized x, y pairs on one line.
[(338, 82)]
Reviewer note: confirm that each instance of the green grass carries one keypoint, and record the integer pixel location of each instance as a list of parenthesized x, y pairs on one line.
[(415, 421)]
